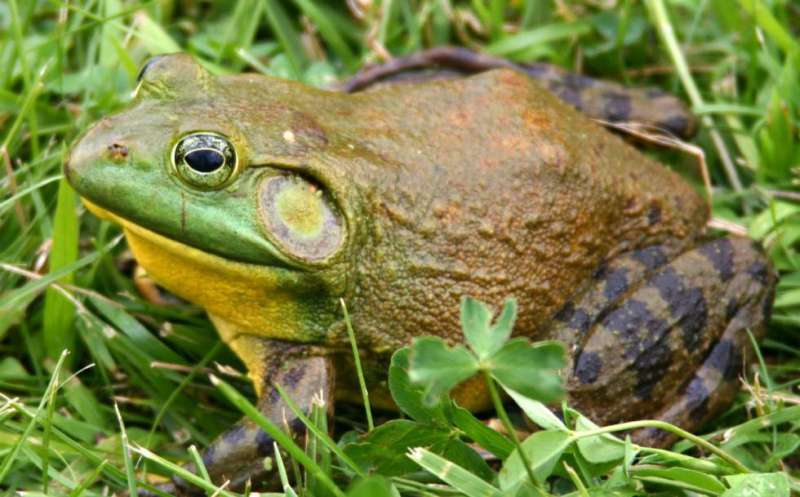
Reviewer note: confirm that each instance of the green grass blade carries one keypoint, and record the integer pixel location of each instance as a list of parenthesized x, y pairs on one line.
[(198, 463), (12, 454), (329, 32), (455, 475), (126, 454), (362, 384), (538, 36), (59, 313), (322, 436), (287, 36), (783, 37), (182, 472)]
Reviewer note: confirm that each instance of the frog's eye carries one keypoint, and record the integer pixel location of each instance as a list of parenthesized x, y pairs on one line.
[(300, 218), (204, 160)]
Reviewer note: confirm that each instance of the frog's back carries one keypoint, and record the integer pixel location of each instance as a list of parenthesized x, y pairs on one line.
[(490, 186)]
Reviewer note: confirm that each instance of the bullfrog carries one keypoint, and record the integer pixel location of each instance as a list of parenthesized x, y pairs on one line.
[(267, 202)]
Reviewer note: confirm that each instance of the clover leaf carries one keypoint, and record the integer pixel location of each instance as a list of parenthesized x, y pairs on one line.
[(530, 369)]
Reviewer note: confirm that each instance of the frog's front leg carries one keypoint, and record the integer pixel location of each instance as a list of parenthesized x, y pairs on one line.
[(662, 333), (305, 375)]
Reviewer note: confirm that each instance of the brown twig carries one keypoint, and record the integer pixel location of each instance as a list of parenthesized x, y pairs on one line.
[(658, 136)]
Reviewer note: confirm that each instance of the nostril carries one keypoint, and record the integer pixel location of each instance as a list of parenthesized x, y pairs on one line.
[(117, 151)]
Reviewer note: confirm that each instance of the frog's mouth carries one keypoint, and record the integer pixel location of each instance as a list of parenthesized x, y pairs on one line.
[(259, 298), (167, 259)]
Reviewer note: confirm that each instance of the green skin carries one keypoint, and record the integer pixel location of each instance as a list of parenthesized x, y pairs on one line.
[(486, 186)]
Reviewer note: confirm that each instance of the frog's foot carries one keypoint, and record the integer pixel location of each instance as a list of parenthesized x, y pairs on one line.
[(603, 100), (665, 339), (238, 455)]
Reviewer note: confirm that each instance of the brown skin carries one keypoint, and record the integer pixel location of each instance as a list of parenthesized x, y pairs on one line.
[(605, 101), (486, 186)]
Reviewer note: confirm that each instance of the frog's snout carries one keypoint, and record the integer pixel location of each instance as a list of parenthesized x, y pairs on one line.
[(98, 145)]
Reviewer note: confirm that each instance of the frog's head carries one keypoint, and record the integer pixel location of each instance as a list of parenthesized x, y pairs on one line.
[(218, 186)]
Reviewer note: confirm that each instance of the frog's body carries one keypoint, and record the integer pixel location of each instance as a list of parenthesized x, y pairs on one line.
[(485, 186)]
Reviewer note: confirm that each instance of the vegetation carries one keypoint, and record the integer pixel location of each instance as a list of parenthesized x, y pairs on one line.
[(145, 383)]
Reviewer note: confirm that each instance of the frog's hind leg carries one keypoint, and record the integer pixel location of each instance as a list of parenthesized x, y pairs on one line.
[(747, 306), (712, 387), (662, 333)]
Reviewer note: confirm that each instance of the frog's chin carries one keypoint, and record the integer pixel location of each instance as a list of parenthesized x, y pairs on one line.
[(178, 266)]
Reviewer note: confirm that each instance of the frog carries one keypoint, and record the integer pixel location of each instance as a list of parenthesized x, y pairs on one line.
[(269, 203)]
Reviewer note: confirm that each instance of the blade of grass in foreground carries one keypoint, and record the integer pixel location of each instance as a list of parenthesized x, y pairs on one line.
[(362, 384), (12, 454), (182, 472), (126, 453), (453, 474), (322, 436), (59, 312), (287, 35), (329, 32)]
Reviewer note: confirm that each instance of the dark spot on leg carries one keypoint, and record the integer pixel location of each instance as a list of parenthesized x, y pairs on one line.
[(588, 367), (576, 318), (537, 71), (731, 309), (618, 106), (693, 317), (651, 257), (677, 125), (697, 396), (264, 443), (600, 273), (628, 319), (636, 325), (654, 93), (616, 283), (724, 358), (654, 214), (580, 321), (235, 435), (687, 305), (567, 94), (759, 271), (209, 455), (720, 253), (649, 366), (578, 81), (565, 313), (669, 286), (273, 397), (292, 377)]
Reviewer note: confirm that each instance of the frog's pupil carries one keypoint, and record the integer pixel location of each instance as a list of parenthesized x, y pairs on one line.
[(204, 160)]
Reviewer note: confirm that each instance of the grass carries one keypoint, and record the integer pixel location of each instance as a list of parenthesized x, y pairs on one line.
[(65, 276)]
